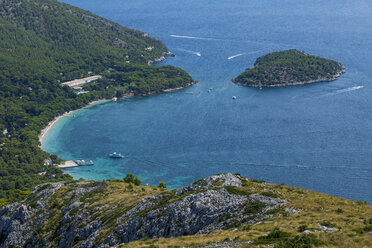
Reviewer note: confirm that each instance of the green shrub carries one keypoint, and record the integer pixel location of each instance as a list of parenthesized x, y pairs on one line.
[(269, 194), (218, 182), (339, 211), (3, 202), (245, 183), (224, 216), (275, 211), (56, 203), (258, 181), (302, 228), (363, 230), (233, 224), (237, 191), (162, 185), (137, 181), (130, 186), (254, 207), (274, 236), (77, 239), (129, 178)]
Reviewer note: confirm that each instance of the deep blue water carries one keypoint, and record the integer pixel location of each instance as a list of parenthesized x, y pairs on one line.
[(316, 137)]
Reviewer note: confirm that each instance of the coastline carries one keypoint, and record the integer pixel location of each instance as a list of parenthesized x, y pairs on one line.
[(45, 130), (151, 62), (162, 58), (180, 88), (165, 90), (334, 77)]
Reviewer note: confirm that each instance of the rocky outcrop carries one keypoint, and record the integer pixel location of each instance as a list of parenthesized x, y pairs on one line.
[(162, 58), (215, 203)]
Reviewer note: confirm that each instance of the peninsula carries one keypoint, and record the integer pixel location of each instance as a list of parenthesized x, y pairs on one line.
[(291, 67), (56, 58)]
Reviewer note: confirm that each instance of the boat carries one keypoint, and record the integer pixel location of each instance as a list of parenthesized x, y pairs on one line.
[(84, 162), (234, 97), (116, 155)]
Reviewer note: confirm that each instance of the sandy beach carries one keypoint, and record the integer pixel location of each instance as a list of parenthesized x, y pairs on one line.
[(50, 125), (44, 132)]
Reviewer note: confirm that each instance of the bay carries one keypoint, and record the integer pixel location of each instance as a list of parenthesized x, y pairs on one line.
[(316, 136)]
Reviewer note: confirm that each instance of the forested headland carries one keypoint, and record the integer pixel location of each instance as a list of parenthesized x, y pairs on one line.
[(44, 43), (291, 67)]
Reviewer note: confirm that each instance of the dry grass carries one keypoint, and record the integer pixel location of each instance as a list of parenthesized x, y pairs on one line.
[(193, 240), (350, 217), (346, 215)]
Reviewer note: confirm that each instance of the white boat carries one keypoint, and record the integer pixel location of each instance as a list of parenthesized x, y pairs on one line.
[(84, 162), (116, 155), (234, 97)]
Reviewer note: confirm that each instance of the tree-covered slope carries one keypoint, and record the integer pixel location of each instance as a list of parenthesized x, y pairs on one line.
[(219, 211), (289, 67), (45, 42), (48, 35)]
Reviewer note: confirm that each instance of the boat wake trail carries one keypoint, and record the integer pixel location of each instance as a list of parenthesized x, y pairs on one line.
[(241, 54), (189, 51), (349, 89), (192, 37), (234, 56), (336, 92), (344, 90), (273, 45)]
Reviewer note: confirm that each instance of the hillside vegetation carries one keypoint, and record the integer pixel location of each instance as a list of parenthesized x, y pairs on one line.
[(219, 211), (45, 42), (289, 67)]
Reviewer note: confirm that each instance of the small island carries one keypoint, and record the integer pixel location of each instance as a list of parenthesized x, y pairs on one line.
[(291, 67)]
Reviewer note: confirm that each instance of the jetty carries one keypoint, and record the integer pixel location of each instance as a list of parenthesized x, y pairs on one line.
[(68, 164)]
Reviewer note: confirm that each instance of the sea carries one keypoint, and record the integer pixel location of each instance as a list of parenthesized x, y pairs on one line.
[(317, 137)]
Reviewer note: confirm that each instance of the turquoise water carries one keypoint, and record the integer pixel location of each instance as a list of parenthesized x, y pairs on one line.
[(316, 136)]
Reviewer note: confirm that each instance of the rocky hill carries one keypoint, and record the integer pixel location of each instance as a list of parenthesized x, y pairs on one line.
[(220, 211)]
